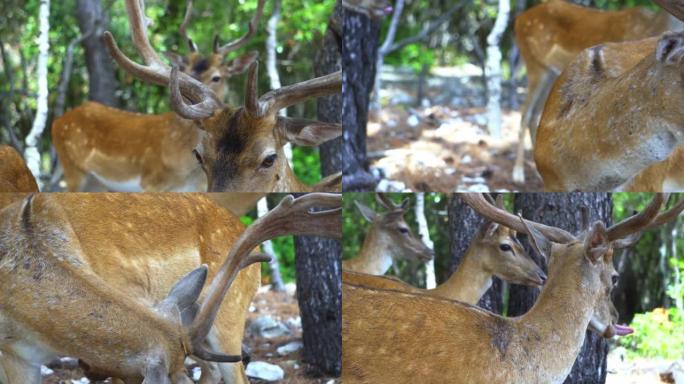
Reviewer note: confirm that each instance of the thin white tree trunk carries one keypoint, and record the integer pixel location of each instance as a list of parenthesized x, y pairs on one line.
[(493, 69), (384, 50), (424, 233), (31, 153), (277, 279)]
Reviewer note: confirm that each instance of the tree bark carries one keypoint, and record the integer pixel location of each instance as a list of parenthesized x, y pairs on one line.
[(31, 153), (562, 210), (424, 234), (464, 223), (493, 70), (359, 57), (101, 77)]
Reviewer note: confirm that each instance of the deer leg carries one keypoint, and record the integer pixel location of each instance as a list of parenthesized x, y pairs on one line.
[(15, 370)]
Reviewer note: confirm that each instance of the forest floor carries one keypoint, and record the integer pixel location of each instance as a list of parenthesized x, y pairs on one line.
[(443, 145), (642, 370), (280, 306)]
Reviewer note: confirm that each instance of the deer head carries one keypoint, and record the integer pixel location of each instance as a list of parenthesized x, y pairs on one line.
[(213, 69), (242, 147), (390, 231)]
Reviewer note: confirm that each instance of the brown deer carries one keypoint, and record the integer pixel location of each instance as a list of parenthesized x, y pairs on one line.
[(550, 35), (613, 119), (100, 147), (241, 148), (449, 341), (389, 238), (495, 251), (14, 174), (53, 300)]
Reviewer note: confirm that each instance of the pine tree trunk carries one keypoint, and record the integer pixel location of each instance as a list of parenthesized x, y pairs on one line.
[(359, 57), (562, 210), (464, 223), (101, 77)]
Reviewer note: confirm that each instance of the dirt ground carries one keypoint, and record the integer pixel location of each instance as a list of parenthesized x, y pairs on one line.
[(280, 305)]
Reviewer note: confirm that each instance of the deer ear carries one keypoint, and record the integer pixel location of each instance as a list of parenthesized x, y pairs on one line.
[(405, 204), (177, 60), (596, 244), (185, 292), (366, 212), (240, 64), (308, 133), (490, 229)]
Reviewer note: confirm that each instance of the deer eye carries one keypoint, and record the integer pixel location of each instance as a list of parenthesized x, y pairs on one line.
[(198, 156), (269, 161), (216, 79), (505, 247), (403, 230)]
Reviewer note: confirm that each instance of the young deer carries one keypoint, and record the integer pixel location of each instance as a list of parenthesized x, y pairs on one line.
[(241, 148), (466, 344), (100, 147), (52, 302), (614, 119), (550, 35), (14, 174), (495, 251), (389, 238)]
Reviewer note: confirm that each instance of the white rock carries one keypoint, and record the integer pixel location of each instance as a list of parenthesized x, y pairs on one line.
[(466, 159), (412, 121), (289, 348), (268, 327), (45, 371), (291, 288), (478, 188), (264, 371), (386, 185), (82, 380), (196, 373), (294, 322)]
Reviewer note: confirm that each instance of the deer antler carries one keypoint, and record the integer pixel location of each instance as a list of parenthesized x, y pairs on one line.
[(675, 8), (489, 211), (157, 72), (270, 103), (637, 222), (241, 41), (291, 217)]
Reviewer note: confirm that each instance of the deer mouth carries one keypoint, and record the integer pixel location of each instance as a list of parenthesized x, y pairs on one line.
[(608, 331)]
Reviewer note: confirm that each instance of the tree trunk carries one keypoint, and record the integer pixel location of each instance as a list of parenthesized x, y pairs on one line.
[(319, 293), (276, 279), (359, 57), (464, 223), (493, 70), (31, 153), (101, 79), (424, 234), (562, 210), (384, 50), (328, 60)]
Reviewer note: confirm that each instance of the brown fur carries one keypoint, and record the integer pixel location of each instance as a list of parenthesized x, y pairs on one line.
[(550, 35), (14, 174), (143, 258), (607, 134), (470, 281)]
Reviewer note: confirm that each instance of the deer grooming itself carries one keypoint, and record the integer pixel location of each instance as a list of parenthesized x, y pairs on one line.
[(466, 344), (101, 147), (51, 302), (614, 119), (550, 35), (241, 148), (14, 174), (389, 238), (495, 251)]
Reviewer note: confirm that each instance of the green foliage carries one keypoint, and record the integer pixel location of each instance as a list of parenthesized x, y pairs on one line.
[(659, 333), (307, 164)]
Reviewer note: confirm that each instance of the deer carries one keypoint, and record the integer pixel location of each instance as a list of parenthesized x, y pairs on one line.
[(467, 344), (495, 251), (627, 93), (389, 238), (550, 35), (15, 176), (52, 302), (241, 147), (105, 148)]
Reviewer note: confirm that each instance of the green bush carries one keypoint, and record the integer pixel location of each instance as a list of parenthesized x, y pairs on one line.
[(659, 333)]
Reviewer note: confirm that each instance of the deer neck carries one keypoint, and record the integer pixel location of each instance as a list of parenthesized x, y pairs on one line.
[(555, 326), (468, 283), (287, 181), (374, 257)]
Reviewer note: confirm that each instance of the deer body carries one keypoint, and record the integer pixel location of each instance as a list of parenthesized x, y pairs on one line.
[(483, 259), (550, 35), (144, 257), (600, 122), (127, 152), (14, 174)]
